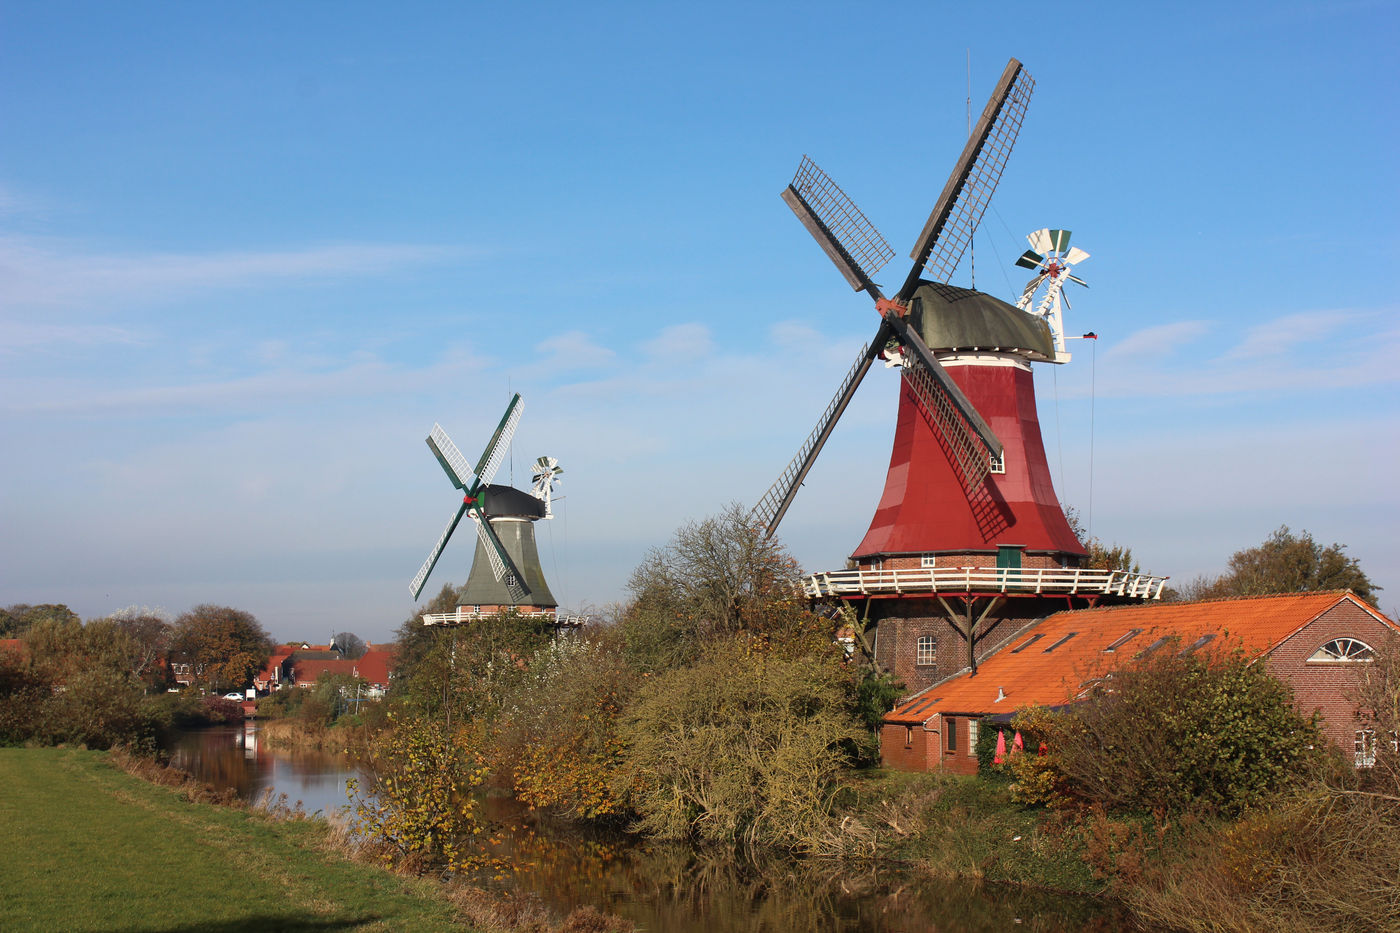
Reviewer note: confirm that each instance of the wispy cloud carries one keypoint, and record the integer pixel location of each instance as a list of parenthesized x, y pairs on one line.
[(1155, 342), (1311, 351), (1283, 334), (680, 342), (20, 335), (43, 274), (573, 350)]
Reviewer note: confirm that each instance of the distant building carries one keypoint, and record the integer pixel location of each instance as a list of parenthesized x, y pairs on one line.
[(301, 665)]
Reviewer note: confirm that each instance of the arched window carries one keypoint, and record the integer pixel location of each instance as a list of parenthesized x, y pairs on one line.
[(926, 651), (1344, 649)]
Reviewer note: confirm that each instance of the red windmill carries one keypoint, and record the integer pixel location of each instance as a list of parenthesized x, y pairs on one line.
[(969, 540)]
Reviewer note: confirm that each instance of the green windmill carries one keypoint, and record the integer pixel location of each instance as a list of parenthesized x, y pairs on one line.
[(504, 519)]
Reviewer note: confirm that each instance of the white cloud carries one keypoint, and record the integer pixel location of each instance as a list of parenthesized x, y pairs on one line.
[(680, 342), (1283, 334), (1159, 341), (573, 350), (52, 273), (20, 335)]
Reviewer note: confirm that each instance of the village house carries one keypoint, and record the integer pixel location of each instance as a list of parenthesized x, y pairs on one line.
[(1315, 642), (301, 665)]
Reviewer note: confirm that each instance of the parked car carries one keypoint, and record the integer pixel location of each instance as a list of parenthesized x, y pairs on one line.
[(235, 695)]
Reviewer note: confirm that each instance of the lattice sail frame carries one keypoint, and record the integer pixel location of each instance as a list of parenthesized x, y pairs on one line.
[(980, 180), (769, 510), (864, 247), (459, 471)]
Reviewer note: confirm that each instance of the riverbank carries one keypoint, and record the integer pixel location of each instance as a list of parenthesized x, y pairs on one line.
[(89, 847)]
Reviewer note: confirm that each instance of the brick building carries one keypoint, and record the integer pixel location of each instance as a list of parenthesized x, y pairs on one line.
[(1315, 642)]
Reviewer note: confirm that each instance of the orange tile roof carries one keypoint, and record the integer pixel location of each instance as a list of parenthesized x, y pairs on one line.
[(1040, 666), (376, 664)]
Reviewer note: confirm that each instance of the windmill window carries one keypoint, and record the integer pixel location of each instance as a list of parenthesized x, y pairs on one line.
[(1027, 643), (996, 464), (1342, 651), (928, 560), (1124, 640), (926, 651), (1060, 642)]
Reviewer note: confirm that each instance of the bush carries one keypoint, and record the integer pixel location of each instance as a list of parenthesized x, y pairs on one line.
[(741, 747), (420, 809), (562, 745), (1176, 732), (219, 712)]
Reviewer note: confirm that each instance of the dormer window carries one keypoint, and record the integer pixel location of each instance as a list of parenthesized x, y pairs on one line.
[(1343, 650)]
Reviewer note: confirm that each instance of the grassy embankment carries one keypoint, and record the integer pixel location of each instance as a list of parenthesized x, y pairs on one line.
[(87, 847)]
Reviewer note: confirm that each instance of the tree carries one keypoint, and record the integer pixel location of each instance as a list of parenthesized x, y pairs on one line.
[(716, 577), (17, 619), (149, 631), (350, 645), (1289, 563), (224, 647), (413, 640)]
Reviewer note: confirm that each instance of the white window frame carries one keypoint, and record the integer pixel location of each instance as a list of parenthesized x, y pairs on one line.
[(1348, 650), (1364, 748), (928, 561), (996, 464), (922, 658), (974, 727)]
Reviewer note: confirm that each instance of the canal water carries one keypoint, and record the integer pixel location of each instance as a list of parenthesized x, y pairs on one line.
[(666, 887)]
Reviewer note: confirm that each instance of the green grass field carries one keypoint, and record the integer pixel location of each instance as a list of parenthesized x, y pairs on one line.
[(84, 846)]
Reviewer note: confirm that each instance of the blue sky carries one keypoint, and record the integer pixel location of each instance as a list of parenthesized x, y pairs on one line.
[(249, 253)]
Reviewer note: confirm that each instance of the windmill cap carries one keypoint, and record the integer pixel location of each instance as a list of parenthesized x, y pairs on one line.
[(952, 318), (509, 502)]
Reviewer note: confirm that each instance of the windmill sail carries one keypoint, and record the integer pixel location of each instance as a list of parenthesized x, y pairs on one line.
[(502, 566), (455, 465), (859, 252), (969, 188), (774, 505), (421, 577), (840, 229)]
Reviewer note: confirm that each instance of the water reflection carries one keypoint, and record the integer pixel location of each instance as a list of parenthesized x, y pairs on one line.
[(233, 756), (661, 886), (680, 888)]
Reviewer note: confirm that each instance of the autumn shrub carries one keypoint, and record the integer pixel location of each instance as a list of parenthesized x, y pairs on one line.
[(1321, 857), (743, 746), (420, 810), (562, 744), (23, 692), (219, 711), (1180, 731)]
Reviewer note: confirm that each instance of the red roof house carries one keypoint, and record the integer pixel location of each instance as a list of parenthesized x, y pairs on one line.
[(1312, 641)]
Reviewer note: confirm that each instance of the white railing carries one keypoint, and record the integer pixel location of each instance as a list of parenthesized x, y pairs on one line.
[(1055, 581), (462, 616)]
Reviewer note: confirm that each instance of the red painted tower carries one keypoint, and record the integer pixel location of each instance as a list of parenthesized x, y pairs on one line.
[(927, 513)]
